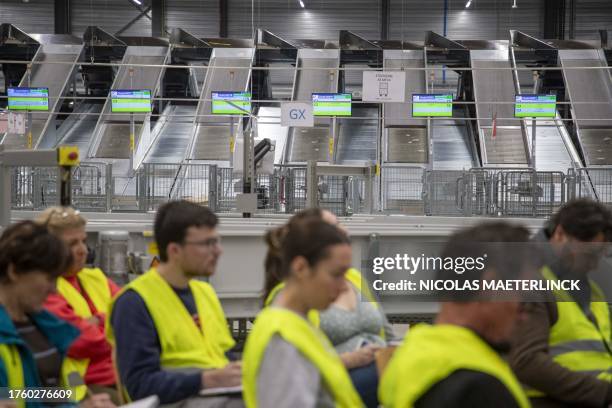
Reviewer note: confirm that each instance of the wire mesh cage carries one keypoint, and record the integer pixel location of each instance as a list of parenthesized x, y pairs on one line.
[(402, 189)]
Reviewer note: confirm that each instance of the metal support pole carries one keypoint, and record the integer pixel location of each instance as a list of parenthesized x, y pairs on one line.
[(533, 143), (5, 195), (369, 190), (429, 144), (132, 143), (108, 186), (212, 188), (232, 141), (332, 141), (29, 130), (65, 186), (312, 188), (248, 166)]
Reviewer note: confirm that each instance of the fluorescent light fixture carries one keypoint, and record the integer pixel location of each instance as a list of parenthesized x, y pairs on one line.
[(302, 4), (468, 4), (138, 2)]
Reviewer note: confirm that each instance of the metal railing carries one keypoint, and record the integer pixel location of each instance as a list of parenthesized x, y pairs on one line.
[(489, 192), (402, 189), (35, 188)]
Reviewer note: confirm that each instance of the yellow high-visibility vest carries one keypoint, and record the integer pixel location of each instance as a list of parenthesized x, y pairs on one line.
[(183, 344), (430, 354), (9, 354), (309, 341), (95, 283), (575, 342), (353, 276)]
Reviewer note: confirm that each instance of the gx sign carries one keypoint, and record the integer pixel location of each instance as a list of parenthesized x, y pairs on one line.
[(297, 114)]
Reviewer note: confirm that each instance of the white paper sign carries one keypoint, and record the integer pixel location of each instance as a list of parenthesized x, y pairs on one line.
[(16, 123), (297, 114), (384, 86)]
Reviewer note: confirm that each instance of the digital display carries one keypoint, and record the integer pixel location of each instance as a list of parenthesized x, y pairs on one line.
[(32, 99), (331, 104), (130, 100), (426, 105), (231, 103), (535, 106)]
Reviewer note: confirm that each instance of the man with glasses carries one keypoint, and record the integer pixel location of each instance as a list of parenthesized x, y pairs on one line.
[(168, 327), (562, 348)]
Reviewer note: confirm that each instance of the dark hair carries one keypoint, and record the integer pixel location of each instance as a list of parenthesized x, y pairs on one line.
[(273, 260), (174, 218), (274, 239), (583, 219), (28, 247), (311, 239), (502, 246)]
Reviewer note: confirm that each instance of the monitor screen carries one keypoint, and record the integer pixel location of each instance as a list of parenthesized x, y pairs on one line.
[(535, 106), (32, 99), (331, 104), (130, 100), (231, 103), (426, 105)]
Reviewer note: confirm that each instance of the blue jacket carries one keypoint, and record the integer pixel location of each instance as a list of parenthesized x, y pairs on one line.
[(59, 333)]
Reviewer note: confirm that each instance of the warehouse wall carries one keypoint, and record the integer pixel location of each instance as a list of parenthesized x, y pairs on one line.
[(591, 16), (409, 19), (34, 17), (321, 19), (198, 17), (110, 15), (485, 19)]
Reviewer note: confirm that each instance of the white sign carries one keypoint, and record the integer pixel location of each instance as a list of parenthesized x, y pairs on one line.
[(384, 86), (16, 123), (297, 114)]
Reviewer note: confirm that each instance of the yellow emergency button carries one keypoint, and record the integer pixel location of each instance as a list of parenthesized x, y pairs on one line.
[(68, 156)]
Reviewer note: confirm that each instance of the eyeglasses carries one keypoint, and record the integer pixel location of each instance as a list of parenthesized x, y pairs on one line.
[(208, 243)]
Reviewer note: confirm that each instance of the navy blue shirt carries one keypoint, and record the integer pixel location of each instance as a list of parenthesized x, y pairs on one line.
[(467, 388), (138, 351)]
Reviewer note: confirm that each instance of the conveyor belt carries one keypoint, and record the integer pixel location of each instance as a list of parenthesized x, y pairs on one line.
[(313, 143), (171, 137), (78, 129), (508, 147), (406, 137), (590, 85), (111, 137), (211, 134), (54, 76)]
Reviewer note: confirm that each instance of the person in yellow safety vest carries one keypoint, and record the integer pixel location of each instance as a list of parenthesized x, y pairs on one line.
[(287, 361), (456, 362), (562, 350), (33, 342), (82, 299), (355, 322), (170, 333)]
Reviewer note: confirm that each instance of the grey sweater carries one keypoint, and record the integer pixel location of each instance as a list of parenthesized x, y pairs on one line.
[(287, 379)]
